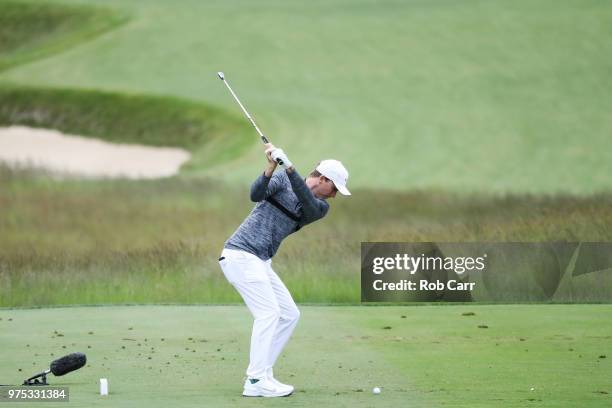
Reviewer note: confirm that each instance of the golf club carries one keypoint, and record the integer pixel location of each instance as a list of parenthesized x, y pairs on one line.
[(263, 138)]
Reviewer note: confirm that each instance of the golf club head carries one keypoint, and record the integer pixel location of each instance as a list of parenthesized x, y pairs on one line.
[(221, 76)]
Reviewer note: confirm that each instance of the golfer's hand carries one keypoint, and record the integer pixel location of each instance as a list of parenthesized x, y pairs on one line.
[(271, 163), (279, 155), (269, 149)]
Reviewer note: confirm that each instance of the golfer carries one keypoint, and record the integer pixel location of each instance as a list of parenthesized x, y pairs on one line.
[(285, 203)]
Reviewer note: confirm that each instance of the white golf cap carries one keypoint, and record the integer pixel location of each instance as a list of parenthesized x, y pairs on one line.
[(336, 172)]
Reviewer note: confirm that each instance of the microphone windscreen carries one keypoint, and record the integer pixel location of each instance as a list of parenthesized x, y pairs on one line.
[(68, 363)]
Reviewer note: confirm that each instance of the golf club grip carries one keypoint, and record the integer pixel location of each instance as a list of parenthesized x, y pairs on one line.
[(266, 141)]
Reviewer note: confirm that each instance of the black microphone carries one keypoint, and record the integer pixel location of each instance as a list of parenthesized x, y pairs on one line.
[(59, 367), (68, 363)]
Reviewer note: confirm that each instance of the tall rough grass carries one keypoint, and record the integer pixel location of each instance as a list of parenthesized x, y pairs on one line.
[(70, 241)]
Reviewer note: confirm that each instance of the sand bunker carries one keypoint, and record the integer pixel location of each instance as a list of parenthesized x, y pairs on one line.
[(71, 155)]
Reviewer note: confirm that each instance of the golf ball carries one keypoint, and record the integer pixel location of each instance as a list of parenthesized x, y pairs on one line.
[(376, 390)]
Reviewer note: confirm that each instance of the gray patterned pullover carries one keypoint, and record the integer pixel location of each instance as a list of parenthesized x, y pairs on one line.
[(262, 232)]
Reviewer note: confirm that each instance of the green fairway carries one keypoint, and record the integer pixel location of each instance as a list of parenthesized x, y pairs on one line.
[(31, 30), (433, 356), (491, 96)]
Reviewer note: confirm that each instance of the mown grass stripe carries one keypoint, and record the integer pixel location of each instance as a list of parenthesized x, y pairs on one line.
[(29, 31)]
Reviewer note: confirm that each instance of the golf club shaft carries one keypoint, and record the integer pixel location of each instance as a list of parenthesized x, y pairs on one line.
[(263, 138)]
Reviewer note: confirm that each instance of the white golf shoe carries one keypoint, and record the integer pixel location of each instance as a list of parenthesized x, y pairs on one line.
[(265, 388), (270, 376)]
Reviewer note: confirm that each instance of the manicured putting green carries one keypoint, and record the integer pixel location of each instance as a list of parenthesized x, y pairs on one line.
[(434, 356)]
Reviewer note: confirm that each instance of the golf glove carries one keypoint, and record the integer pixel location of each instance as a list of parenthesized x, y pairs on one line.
[(280, 154)]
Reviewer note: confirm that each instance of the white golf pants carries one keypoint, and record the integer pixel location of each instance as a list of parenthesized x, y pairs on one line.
[(274, 311)]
